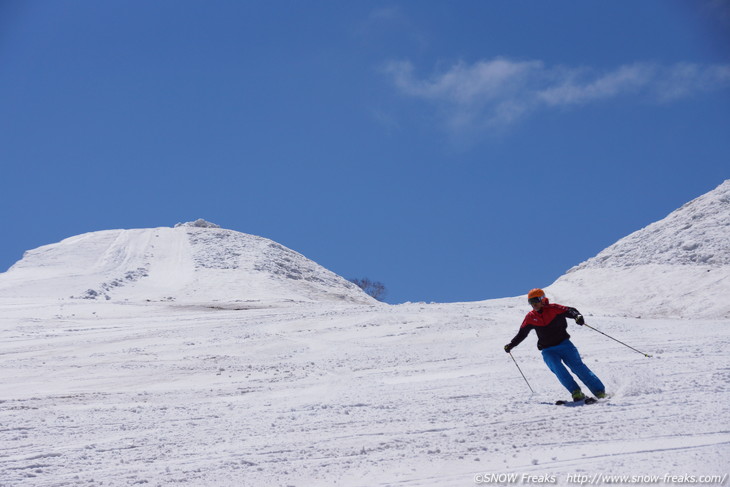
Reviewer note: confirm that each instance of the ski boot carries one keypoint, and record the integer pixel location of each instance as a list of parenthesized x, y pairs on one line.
[(578, 395)]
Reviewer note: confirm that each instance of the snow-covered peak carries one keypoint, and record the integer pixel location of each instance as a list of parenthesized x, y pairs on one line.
[(199, 223), (698, 233), (196, 262), (676, 267)]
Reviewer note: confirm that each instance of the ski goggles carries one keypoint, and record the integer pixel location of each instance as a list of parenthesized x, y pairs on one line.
[(535, 300)]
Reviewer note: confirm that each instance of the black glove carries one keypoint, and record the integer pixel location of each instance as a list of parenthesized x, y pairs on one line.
[(508, 347), (579, 320)]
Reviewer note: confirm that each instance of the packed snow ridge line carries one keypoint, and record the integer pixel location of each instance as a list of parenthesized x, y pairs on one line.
[(698, 233)]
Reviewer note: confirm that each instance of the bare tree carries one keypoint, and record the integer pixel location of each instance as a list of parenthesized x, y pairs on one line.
[(375, 289)]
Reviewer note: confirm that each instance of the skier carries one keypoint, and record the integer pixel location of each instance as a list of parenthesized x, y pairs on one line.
[(548, 321)]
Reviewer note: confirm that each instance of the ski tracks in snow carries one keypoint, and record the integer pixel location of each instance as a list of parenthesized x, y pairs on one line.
[(344, 395)]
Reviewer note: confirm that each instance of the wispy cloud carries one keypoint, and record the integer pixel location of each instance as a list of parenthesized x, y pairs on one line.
[(498, 93)]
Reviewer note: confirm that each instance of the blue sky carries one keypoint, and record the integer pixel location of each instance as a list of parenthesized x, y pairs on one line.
[(455, 151)]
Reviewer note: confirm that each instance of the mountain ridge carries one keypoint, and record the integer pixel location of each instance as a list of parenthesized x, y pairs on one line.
[(676, 267), (694, 234), (188, 263)]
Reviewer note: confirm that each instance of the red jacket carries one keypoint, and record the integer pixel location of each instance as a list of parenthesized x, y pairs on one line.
[(549, 323)]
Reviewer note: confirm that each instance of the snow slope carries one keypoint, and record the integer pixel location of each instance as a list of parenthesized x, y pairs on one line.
[(324, 394), (195, 263), (212, 364), (676, 267)]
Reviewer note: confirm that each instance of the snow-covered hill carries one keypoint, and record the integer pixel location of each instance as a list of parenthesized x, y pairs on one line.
[(193, 263), (676, 267)]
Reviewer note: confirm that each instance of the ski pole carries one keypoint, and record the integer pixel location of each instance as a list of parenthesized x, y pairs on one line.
[(622, 343), (523, 375)]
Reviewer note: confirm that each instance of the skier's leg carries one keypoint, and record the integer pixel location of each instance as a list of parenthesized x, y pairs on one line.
[(572, 359), (555, 364)]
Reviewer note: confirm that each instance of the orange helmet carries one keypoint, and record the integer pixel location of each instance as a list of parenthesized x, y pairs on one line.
[(536, 296), (536, 293)]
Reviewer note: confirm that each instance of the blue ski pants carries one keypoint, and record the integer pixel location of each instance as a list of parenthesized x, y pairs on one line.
[(563, 354)]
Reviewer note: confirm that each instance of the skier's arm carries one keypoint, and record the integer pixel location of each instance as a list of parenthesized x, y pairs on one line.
[(575, 314), (521, 335)]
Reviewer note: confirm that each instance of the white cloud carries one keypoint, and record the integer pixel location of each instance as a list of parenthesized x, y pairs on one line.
[(684, 79), (485, 92), (576, 86), (499, 92), (464, 84)]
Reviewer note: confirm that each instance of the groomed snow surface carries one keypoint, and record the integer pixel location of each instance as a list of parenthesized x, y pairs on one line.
[(354, 395)]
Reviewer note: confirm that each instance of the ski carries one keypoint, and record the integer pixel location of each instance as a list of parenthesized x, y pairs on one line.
[(580, 402)]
